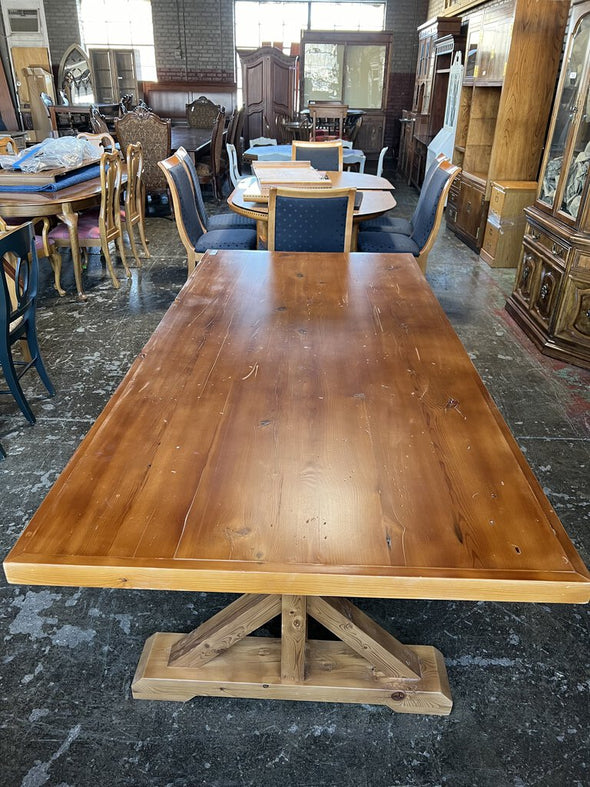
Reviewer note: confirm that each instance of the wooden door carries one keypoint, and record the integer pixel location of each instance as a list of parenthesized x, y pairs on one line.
[(28, 57), (268, 84)]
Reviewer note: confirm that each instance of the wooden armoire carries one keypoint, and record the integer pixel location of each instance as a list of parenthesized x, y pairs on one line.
[(269, 80)]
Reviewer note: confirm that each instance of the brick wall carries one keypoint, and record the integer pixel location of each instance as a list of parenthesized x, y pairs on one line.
[(63, 29), (194, 40)]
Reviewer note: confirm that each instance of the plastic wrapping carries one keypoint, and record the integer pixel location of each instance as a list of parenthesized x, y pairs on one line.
[(68, 152)]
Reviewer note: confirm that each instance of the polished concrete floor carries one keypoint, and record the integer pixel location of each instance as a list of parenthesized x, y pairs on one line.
[(519, 673)]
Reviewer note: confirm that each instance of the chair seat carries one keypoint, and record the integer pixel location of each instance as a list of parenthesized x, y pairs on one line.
[(87, 228), (227, 239), (387, 242), (226, 221), (387, 224)]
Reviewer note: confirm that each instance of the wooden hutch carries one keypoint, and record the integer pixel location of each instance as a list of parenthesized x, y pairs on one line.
[(438, 40), (551, 297), (513, 52)]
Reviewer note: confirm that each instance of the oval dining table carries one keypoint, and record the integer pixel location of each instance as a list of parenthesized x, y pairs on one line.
[(377, 199)]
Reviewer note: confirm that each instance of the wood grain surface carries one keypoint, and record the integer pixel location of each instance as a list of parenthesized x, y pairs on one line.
[(303, 424)]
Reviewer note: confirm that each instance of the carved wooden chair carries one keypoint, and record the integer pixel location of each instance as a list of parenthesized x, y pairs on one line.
[(99, 228), (154, 134), (424, 224), (134, 200), (18, 262), (98, 123), (194, 237), (321, 155), (212, 168), (310, 219), (327, 118), (8, 146), (202, 113)]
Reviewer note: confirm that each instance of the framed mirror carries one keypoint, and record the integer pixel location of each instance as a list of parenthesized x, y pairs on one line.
[(75, 76)]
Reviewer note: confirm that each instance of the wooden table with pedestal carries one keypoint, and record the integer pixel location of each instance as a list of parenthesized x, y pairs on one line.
[(377, 199), (301, 428)]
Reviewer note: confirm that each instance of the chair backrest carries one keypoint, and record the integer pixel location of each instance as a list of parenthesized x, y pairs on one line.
[(217, 141), (233, 136), (134, 188), (126, 103), (202, 113), (184, 201), (189, 165), (424, 193), (97, 122), (18, 260), (327, 110), (101, 141), (380, 161), (428, 214), (356, 127), (310, 219), (111, 179), (232, 157), (321, 155), (154, 134), (8, 146)]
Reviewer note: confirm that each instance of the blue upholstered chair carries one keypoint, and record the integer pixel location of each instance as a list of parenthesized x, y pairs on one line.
[(321, 155), (310, 219), (219, 221), (391, 223), (195, 239), (18, 262), (425, 222)]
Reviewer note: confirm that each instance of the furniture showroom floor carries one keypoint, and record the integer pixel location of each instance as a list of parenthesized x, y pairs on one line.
[(519, 672)]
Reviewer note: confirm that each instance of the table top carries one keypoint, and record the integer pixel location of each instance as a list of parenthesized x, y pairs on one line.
[(190, 138), (48, 203), (303, 424), (377, 197)]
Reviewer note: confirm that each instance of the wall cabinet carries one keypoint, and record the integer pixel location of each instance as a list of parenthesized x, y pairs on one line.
[(512, 58), (551, 297)]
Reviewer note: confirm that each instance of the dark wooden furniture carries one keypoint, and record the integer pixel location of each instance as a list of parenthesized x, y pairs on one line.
[(293, 409), (114, 74), (202, 113), (268, 84), (351, 68), (438, 39), (154, 134), (513, 53), (551, 297)]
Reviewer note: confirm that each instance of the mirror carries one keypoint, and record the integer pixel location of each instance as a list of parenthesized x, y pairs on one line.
[(75, 76)]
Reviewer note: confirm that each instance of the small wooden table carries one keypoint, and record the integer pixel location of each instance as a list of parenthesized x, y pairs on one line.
[(377, 199), (300, 428), (65, 204)]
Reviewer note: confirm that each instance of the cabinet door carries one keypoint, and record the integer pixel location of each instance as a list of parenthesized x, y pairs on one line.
[(472, 47), (370, 136), (102, 76), (125, 73), (471, 213)]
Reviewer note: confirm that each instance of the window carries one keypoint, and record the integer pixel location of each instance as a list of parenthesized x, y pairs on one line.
[(281, 23), (120, 24)]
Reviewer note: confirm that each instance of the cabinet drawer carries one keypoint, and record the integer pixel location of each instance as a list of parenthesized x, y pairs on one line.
[(490, 240), (552, 244)]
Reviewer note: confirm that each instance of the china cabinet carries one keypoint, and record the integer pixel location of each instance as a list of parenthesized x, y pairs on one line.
[(511, 61), (551, 297)]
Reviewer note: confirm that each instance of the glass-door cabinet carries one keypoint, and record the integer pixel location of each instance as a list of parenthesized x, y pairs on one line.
[(551, 297)]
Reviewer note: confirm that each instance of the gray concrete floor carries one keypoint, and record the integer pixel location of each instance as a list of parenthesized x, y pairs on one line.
[(519, 673)]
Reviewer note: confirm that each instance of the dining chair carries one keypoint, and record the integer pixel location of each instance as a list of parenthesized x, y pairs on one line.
[(154, 133), (18, 260), (425, 222), (194, 237), (233, 167), (97, 228), (321, 155), (380, 161), (101, 141), (133, 211), (327, 118), (210, 169), (8, 146), (202, 112), (98, 123), (310, 219), (392, 223), (217, 221), (43, 246)]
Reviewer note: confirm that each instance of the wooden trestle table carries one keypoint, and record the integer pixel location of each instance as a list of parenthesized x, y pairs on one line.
[(301, 428)]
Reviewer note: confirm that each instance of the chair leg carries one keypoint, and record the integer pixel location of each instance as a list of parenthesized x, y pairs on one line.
[(121, 247), (55, 260), (14, 385), (131, 236), (33, 344), (107, 255), (141, 228), (2, 452)]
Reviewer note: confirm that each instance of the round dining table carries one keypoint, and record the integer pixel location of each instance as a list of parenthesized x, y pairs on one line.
[(376, 200)]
